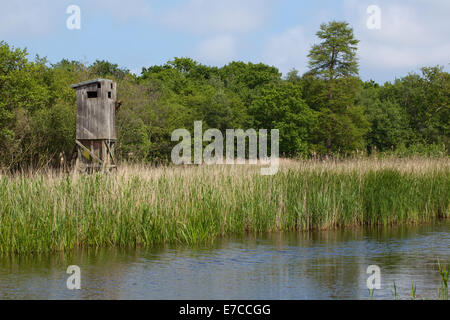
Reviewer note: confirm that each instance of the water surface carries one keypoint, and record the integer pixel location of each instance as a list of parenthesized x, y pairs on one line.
[(316, 265)]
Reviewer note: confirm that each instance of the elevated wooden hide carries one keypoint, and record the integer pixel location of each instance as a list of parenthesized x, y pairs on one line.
[(96, 132)]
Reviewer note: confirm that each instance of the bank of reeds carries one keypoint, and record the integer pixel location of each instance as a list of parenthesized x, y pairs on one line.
[(138, 205)]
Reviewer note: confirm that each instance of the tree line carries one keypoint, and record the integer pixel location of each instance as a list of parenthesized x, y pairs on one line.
[(326, 111)]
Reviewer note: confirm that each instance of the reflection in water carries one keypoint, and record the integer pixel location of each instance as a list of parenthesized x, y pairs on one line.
[(316, 265)]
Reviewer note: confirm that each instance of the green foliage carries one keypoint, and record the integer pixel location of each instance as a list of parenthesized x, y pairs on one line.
[(107, 69), (342, 125), (134, 143), (326, 111), (420, 149), (443, 290), (394, 291), (282, 107), (335, 56), (340, 132), (388, 122), (425, 98), (56, 129)]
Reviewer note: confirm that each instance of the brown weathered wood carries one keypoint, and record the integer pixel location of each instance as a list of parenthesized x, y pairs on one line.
[(95, 130), (88, 151), (111, 153), (96, 116)]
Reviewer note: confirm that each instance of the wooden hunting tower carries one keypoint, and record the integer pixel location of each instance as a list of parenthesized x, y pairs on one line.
[(96, 132)]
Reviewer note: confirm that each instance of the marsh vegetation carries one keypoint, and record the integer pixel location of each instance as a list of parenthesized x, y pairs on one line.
[(138, 205)]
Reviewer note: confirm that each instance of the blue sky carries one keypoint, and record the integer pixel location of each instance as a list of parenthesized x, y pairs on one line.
[(141, 33)]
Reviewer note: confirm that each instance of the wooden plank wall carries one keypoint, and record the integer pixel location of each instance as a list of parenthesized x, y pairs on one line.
[(96, 116)]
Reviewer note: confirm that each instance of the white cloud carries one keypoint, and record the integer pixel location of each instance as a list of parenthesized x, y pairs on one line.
[(391, 57), (121, 11), (24, 17), (215, 16), (412, 34), (38, 18), (288, 50), (217, 50), (437, 3)]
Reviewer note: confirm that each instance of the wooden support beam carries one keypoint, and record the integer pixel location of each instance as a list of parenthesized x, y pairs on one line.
[(88, 151), (104, 155), (110, 153)]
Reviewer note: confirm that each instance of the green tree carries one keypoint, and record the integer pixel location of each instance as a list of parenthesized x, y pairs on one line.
[(292, 76), (134, 143), (246, 78), (104, 69), (332, 77), (282, 107), (335, 56), (12, 61), (389, 126), (425, 100)]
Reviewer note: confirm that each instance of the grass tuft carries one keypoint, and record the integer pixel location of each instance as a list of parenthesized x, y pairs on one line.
[(144, 206)]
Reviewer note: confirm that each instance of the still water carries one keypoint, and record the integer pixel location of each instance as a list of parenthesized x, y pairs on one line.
[(318, 265)]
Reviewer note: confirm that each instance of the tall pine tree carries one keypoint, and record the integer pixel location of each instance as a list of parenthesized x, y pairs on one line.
[(342, 125)]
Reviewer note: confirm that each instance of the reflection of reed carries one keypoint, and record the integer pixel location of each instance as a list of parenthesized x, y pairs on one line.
[(287, 265)]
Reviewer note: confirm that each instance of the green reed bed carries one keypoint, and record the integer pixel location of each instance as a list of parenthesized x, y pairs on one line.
[(143, 206)]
